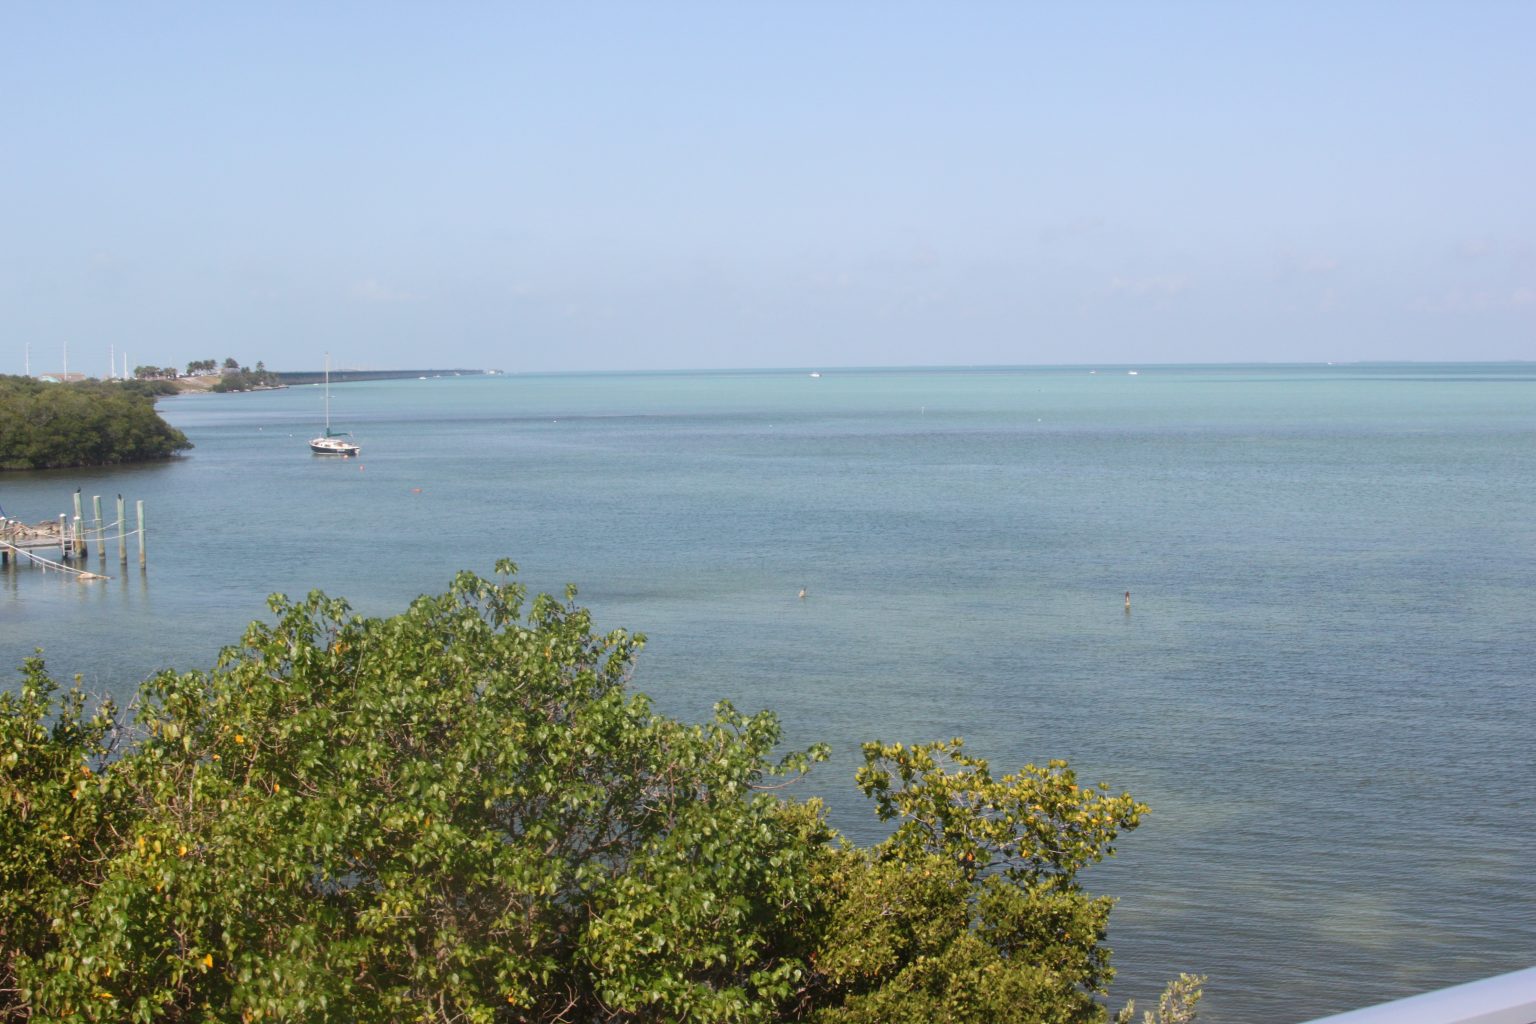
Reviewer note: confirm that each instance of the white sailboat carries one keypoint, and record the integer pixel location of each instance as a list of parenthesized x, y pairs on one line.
[(332, 443)]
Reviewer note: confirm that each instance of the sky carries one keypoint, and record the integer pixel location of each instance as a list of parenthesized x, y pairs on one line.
[(581, 186)]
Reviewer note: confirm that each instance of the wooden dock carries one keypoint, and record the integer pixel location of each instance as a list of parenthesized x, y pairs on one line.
[(70, 539)]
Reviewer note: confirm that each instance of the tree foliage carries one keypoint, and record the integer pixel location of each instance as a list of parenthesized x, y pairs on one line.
[(243, 378), (462, 813), (47, 426), (995, 926)]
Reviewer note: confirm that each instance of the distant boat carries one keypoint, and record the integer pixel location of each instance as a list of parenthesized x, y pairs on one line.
[(1132, 373), (332, 443), (815, 374)]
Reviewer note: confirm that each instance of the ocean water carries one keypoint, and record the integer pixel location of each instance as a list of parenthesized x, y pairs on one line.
[(1325, 689)]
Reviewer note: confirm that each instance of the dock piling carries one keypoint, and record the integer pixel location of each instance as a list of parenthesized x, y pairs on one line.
[(71, 537), (79, 546)]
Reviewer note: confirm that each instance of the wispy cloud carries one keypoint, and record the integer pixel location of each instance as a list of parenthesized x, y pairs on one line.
[(370, 290), (1077, 227), (1476, 300), (1293, 264), (1157, 285)]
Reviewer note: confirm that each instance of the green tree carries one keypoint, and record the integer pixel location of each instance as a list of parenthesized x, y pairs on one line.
[(44, 426), (1175, 1006), (462, 813), (972, 910), (246, 380), (58, 818)]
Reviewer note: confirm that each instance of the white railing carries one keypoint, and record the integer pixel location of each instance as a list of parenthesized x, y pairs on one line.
[(1506, 999)]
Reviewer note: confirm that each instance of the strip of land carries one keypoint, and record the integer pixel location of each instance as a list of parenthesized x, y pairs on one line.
[(293, 377)]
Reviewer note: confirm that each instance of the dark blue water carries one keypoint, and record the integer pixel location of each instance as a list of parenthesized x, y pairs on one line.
[(1324, 688)]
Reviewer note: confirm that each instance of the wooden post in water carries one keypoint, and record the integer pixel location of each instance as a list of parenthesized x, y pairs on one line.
[(140, 507), (64, 536), (79, 526), (122, 527), (101, 540)]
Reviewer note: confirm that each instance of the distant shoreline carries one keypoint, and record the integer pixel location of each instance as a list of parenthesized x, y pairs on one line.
[(203, 384), (343, 376)]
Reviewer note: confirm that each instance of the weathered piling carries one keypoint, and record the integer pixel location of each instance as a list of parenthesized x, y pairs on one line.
[(71, 537), (101, 540)]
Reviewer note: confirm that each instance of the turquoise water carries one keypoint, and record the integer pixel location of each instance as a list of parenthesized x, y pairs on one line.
[(1324, 688)]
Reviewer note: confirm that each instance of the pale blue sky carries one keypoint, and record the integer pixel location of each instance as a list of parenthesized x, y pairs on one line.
[(584, 186)]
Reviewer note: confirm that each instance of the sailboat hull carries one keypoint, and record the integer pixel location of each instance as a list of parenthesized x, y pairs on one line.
[(333, 446)]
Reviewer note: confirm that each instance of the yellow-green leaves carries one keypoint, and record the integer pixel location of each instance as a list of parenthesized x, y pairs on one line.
[(461, 813), (971, 910), (1032, 824)]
